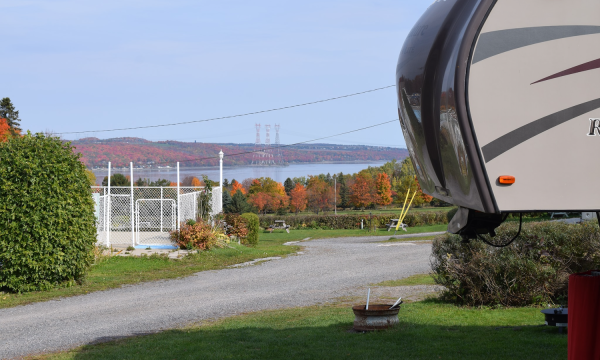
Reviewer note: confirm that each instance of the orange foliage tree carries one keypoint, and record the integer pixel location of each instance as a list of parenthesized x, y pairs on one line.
[(235, 186), (320, 194), (4, 130), (384, 189), (361, 194), (298, 198), (196, 182), (267, 194)]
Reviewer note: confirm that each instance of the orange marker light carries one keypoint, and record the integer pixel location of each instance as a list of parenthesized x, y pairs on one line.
[(506, 179)]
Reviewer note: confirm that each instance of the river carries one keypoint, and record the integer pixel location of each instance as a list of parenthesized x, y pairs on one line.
[(239, 173)]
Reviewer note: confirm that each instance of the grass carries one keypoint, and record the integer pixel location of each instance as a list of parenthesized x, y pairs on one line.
[(117, 271), (296, 235), (427, 330), (419, 279)]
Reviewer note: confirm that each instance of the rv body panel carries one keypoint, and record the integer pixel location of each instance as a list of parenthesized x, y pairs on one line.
[(533, 94), (489, 88)]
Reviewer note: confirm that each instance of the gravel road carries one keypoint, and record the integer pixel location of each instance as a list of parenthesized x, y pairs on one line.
[(324, 270)]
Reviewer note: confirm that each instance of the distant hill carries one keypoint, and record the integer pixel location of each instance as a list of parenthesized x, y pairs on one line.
[(120, 151)]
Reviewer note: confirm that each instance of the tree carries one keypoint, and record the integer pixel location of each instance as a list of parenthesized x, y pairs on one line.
[(288, 184), (384, 189), (196, 182), (344, 192), (5, 130), (235, 187), (298, 198), (225, 183), (8, 112), (116, 180), (259, 200), (227, 200), (238, 205), (320, 194), (361, 195), (161, 182), (90, 176)]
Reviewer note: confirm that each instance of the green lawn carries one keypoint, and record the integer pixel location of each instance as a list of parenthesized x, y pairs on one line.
[(116, 271), (419, 279), (427, 330), (295, 235)]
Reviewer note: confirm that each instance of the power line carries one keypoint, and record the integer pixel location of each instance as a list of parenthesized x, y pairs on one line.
[(283, 146), (227, 117)]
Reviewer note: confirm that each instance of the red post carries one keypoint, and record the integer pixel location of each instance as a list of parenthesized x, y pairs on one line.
[(584, 316)]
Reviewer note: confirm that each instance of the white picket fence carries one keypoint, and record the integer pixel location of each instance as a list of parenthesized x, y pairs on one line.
[(146, 215)]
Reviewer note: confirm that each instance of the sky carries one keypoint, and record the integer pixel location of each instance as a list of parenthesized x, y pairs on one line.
[(95, 65)]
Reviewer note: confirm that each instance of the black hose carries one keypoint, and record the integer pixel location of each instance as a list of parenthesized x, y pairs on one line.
[(513, 239)]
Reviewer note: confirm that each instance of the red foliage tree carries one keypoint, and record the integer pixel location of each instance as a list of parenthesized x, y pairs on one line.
[(260, 200), (4, 130), (298, 198), (361, 191), (320, 194)]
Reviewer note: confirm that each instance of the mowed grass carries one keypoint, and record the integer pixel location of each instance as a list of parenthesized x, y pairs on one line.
[(419, 279), (296, 235), (116, 271), (427, 330)]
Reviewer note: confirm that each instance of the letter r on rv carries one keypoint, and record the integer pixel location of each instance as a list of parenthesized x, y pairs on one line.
[(594, 127)]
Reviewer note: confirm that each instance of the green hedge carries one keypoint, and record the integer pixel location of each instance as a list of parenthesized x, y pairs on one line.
[(47, 223), (534, 269), (352, 221)]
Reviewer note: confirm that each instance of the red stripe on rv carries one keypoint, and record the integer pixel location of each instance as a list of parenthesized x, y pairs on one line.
[(591, 65)]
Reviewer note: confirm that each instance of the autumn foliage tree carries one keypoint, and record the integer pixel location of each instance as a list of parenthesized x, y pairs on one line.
[(361, 195), (383, 186), (298, 198), (267, 194), (4, 130), (320, 194), (235, 186)]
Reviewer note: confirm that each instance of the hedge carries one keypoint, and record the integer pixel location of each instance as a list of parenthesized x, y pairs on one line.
[(352, 221), (47, 223), (534, 269)]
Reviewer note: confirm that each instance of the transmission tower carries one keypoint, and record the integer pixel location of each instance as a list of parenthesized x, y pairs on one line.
[(278, 155), (258, 153), (268, 152)]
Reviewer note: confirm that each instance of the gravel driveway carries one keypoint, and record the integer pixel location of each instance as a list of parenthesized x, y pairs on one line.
[(324, 270)]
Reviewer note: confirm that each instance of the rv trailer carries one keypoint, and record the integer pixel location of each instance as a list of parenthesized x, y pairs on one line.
[(499, 104)]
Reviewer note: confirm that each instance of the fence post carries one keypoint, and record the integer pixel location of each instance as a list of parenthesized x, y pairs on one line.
[(109, 224), (221, 179), (131, 182), (161, 209), (178, 207)]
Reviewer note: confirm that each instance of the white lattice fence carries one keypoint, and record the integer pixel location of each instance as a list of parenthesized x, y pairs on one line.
[(147, 215)]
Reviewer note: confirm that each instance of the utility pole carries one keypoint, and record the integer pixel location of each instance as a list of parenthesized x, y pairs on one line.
[(335, 194)]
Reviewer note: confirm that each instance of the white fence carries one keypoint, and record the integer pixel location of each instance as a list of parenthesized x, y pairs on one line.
[(146, 215)]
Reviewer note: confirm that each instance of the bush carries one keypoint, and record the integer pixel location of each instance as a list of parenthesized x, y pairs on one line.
[(253, 228), (534, 269), (352, 221), (47, 223), (196, 235), (236, 226)]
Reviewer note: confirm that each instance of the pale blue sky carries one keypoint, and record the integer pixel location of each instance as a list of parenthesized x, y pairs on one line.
[(87, 65)]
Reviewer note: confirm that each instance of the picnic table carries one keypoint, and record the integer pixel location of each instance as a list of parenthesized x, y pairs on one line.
[(393, 223), (279, 224)]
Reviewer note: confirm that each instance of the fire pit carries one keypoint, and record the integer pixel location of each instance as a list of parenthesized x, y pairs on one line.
[(556, 317), (377, 317)]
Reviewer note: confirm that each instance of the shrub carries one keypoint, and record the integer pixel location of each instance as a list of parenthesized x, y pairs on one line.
[(47, 224), (196, 235), (253, 228), (352, 221), (236, 226), (534, 269)]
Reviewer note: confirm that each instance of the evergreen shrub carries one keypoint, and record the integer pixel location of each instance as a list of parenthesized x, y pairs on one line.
[(253, 226), (534, 269), (47, 223)]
